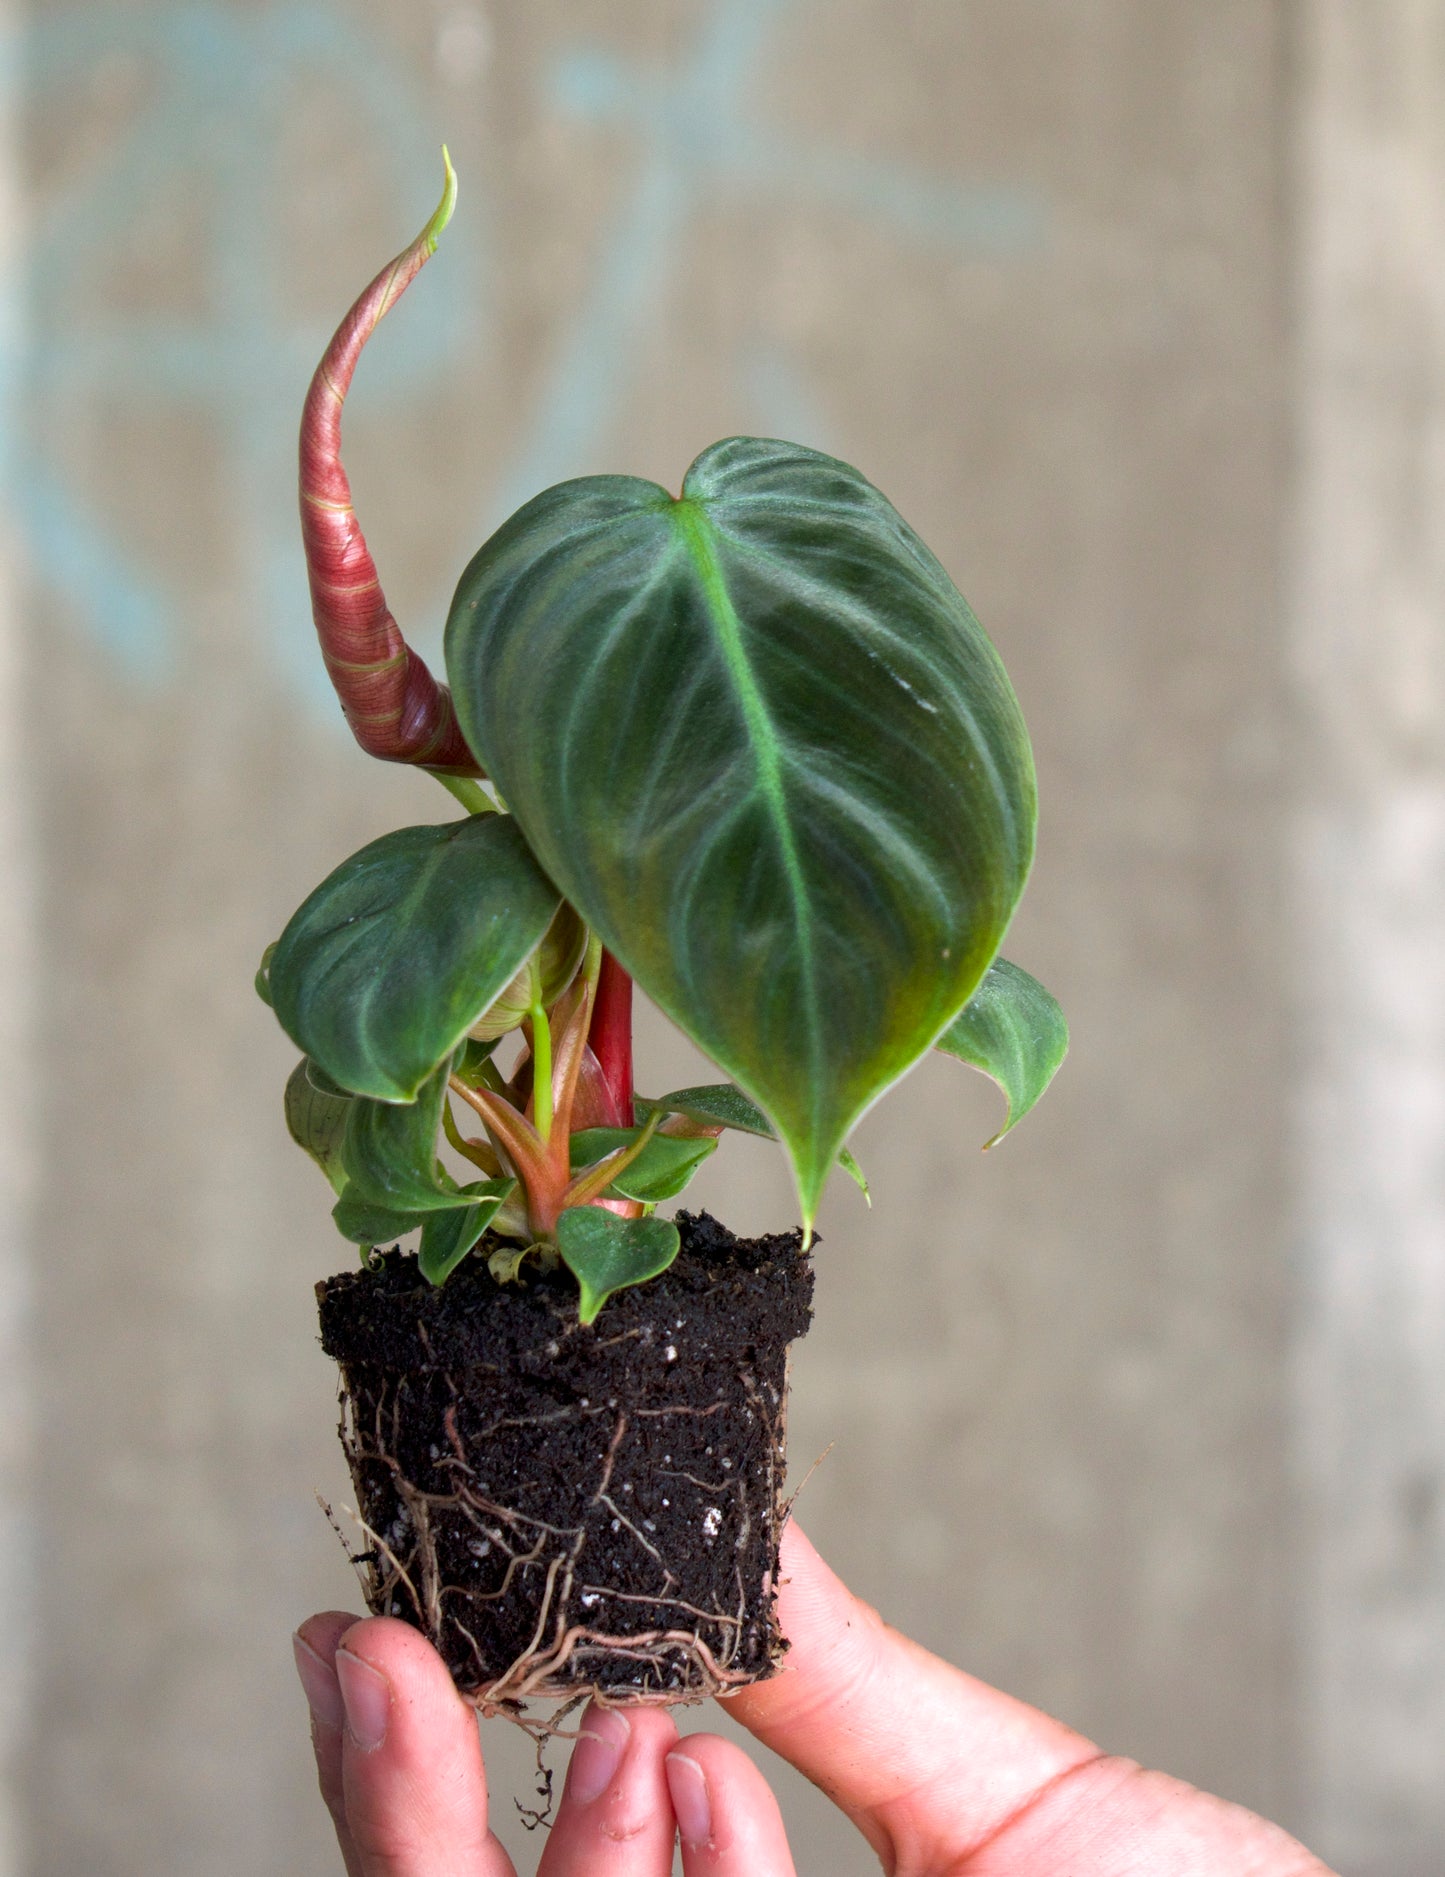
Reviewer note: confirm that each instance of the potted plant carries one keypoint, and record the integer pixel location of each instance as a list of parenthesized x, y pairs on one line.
[(747, 746)]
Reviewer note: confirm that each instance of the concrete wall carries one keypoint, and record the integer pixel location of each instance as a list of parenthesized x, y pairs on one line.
[(18, 1134), (1134, 310), (1367, 661)]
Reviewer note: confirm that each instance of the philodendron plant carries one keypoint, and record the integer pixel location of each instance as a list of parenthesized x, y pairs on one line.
[(746, 746)]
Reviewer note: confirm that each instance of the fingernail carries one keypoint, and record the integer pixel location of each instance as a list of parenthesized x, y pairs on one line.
[(318, 1682), (367, 1695), (687, 1784), (605, 1734)]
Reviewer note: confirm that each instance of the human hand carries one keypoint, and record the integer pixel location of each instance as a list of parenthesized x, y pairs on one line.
[(944, 1777), (400, 1767)]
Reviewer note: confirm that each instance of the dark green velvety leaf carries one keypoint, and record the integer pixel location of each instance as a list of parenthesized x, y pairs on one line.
[(606, 1254), (447, 1237), (317, 1122), (762, 745), (1013, 1030), (660, 1171), (386, 966), (366, 1224), (263, 976), (390, 1152)]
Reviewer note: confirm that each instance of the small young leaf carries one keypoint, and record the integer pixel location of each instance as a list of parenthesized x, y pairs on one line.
[(365, 1224), (263, 975), (316, 1119), (855, 1173), (387, 965), (659, 1172), (1013, 1030), (717, 1105), (721, 1105), (505, 1263), (606, 1254), (470, 1064), (447, 1237), (390, 1152)]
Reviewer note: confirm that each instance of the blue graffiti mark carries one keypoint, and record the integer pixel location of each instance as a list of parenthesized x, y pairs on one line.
[(131, 616), (695, 136), (222, 81)]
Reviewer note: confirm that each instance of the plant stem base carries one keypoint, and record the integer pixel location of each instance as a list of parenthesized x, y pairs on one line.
[(564, 1510)]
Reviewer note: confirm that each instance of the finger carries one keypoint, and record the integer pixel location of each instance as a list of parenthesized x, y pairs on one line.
[(411, 1763), (926, 1761), (727, 1817), (615, 1819), (314, 1647)]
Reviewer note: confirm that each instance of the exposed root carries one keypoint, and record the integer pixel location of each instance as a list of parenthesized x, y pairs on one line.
[(612, 1610), (796, 1494)]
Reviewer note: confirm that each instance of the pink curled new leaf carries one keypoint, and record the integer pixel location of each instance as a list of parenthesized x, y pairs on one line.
[(396, 709)]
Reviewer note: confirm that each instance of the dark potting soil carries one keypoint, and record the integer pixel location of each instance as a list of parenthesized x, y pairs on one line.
[(562, 1507)]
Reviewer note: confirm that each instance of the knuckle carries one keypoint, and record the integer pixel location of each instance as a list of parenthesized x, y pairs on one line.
[(622, 1827)]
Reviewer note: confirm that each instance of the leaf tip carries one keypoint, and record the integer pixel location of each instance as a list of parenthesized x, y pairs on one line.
[(810, 1175), (431, 234), (850, 1166)]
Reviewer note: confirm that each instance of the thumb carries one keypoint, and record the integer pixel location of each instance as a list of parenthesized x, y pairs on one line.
[(926, 1761)]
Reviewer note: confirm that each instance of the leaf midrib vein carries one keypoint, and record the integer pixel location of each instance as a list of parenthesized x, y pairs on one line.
[(759, 728)]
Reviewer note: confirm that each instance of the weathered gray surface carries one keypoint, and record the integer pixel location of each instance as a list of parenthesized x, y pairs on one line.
[(1025, 263), (17, 977), (1369, 667)]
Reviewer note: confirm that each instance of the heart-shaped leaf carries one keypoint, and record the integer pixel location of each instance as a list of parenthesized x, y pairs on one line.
[(316, 1119), (1013, 1030), (606, 1254), (386, 966), (762, 745), (447, 1237), (661, 1171)]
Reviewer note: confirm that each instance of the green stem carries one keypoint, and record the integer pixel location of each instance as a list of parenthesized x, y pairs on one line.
[(541, 1071), (596, 1179), (472, 796), (477, 1152)]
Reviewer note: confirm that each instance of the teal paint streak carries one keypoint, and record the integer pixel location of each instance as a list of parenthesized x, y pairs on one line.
[(696, 139), (221, 78)]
